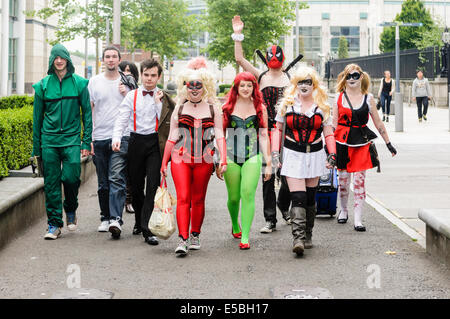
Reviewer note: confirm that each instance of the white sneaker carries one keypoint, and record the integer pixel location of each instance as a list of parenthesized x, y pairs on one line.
[(194, 242), (104, 226), (182, 248), (115, 229), (268, 228)]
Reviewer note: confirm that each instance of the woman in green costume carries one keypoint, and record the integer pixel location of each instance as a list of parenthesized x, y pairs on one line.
[(245, 122)]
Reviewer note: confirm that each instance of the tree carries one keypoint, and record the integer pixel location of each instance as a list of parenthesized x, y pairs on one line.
[(160, 26), (343, 48), (412, 11), (265, 23)]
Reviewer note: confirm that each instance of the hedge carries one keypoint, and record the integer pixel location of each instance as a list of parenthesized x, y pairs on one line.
[(15, 101), (223, 87), (16, 137)]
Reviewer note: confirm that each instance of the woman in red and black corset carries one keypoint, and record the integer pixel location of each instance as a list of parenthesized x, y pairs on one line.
[(304, 114), (194, 125), (351, 112)]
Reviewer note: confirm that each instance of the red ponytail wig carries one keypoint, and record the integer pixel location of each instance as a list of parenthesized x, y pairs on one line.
[(228, 107)]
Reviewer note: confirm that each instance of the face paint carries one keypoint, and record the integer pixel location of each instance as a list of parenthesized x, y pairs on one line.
[(305, 87), (194, 90), (354, 79), (275, 57)]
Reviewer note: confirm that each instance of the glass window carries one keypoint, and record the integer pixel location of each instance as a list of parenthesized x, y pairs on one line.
[(352, 36)]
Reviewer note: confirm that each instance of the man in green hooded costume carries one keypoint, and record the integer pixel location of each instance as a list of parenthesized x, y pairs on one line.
[(61, 103)]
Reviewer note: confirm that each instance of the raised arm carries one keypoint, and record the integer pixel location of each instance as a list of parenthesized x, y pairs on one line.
[(238, 26)]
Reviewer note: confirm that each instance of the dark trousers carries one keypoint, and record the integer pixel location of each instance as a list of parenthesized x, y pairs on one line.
[(144, 162), (270, 200), (385, 101), (422, 100)]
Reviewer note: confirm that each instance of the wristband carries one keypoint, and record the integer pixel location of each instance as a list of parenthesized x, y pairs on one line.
[(237, 37)]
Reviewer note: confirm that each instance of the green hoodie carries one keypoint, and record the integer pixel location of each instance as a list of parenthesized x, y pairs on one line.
[(56, 115)]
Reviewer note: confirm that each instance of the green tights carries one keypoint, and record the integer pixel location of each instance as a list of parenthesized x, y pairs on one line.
[(241, 183)]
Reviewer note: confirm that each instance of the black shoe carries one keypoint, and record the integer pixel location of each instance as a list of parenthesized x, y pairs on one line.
[(360, 228), (136, 230), (384, 117), (152, 240), (342, 220)]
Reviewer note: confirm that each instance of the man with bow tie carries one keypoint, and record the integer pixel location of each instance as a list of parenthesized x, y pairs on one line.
[(146, 112), (107, 92)]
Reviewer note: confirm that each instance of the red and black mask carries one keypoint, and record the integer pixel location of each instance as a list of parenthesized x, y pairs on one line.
[(275, 57)]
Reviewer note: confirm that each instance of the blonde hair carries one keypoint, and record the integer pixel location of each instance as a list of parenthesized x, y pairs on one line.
[(320, 95), (342, 78), (203, 75)]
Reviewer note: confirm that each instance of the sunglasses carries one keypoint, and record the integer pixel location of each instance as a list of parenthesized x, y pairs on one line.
[(307, 82), (354, 76), (194, 85)]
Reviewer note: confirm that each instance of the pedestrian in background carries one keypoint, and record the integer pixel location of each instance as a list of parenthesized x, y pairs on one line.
[(351, 111), (61, 104), (421, 93), (387, 88)]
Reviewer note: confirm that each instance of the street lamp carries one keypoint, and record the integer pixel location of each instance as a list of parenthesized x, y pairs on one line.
[(446, 63), (398, 96)]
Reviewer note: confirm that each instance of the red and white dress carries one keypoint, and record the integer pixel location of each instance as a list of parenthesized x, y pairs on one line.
[(352, 148)]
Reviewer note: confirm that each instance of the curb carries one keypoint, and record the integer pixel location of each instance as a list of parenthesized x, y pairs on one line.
[(394, 219)]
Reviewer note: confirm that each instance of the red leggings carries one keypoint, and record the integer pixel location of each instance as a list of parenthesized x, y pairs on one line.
[(191, 181)]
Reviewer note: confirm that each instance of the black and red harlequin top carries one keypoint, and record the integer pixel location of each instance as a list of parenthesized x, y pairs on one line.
[(196, 135), (348, 130), (271, 94), (304, 128)]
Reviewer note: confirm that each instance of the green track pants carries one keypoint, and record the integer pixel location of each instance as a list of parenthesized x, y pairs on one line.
[(61, 165)]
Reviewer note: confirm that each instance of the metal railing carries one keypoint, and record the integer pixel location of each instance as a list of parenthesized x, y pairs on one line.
[(428, 60)]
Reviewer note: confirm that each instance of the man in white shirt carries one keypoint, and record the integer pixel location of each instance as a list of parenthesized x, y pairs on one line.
[(146, 111), (107, 92)]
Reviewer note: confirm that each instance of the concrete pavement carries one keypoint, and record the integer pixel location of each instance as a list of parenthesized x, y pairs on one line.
[(419, 176), (380, 263)]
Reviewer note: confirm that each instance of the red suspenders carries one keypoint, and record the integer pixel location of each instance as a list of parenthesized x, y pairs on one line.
[(134, 112)]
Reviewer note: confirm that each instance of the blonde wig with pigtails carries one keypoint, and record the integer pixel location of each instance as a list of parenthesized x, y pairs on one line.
[(342, 78), (320, 95)]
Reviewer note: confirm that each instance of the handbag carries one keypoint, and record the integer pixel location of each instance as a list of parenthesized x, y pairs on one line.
[(162, 221), (372, 148), (379, 104)]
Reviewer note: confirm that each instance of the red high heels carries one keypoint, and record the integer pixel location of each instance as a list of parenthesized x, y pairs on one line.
[(244, 246), (238, 235)]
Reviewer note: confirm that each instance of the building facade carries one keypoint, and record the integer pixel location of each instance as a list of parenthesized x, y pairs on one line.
[(24, 45), (325, 21)]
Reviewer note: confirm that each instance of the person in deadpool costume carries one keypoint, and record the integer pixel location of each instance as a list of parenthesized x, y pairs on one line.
[(272, 83)]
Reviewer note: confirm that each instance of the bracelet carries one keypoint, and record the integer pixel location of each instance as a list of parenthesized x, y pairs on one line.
[(237, 37)]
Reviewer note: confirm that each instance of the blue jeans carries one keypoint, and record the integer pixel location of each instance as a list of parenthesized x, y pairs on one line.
[(385, 99), (111, 170)]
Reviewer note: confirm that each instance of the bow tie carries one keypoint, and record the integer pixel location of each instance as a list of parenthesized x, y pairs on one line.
[(144, 93)]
